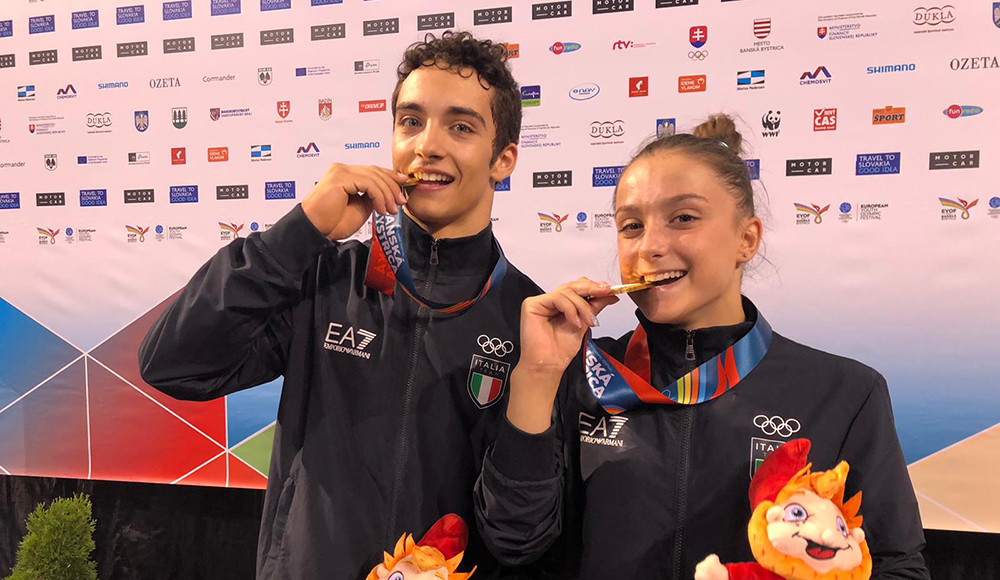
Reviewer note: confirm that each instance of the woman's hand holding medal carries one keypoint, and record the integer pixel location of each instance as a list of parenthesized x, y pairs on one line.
[(553, 326)]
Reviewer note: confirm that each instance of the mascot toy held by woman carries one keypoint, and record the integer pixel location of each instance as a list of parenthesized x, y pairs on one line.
[(801, 528)]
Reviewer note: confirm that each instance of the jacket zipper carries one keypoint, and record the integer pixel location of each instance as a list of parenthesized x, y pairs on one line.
[(401, 448), (434, 252), (683, 468)]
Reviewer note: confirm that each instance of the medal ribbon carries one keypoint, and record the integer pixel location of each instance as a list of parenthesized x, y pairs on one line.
[(387, 264), (620, 387)]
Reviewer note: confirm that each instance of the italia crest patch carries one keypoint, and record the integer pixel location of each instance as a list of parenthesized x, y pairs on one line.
[(759, 450), (487, 379)]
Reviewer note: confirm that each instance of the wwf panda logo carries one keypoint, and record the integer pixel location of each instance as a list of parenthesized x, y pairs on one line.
[(771, 120)]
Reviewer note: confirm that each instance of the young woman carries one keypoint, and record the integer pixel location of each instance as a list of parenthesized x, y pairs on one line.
[(631, 458)]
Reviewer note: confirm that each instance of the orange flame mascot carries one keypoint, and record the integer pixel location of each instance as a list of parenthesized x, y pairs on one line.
[(801, 528), (435, 557)]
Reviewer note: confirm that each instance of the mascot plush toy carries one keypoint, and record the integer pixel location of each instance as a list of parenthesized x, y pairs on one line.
[(801, 528), (435, 557)]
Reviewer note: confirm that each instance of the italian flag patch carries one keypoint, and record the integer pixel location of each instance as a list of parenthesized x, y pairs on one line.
[(486, 380)]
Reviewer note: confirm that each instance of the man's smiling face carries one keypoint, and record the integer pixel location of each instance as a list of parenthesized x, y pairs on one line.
[(444, 133)]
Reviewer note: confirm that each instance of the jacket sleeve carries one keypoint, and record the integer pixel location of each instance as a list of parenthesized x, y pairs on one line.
[(889, 507), (230, 327), (519, 494)]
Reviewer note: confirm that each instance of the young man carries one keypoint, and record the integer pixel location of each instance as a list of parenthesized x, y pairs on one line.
[(396, 352)]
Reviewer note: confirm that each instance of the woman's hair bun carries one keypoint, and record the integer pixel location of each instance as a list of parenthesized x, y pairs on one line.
[(721, 128)]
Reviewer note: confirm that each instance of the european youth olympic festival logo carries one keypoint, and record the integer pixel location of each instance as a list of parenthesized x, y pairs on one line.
[(50, 233), (554, 219), (139, 231), (231, 228), (813, 210), (961, 205)]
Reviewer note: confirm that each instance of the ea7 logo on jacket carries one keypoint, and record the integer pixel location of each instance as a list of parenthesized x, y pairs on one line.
[(603, 431), (352, 342)]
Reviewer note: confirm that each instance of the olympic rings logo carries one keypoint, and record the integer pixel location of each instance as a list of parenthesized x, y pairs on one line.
[(776, 424), (698, 54), (495, 345)]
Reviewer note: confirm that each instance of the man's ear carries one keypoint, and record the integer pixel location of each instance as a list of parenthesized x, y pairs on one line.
[(504, 164), (382, 572)]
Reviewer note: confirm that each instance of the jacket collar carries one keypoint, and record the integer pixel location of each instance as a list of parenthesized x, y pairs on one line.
[(668, 344)]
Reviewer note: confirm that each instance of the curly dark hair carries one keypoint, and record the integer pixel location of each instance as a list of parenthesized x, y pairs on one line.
[(456, 51)]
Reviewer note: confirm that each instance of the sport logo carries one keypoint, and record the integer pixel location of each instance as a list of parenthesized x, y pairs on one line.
[(352, 342), (550, 222), (804, 211), (603, 431), (777, 425), (825, 119), (815, 78), (495, 346), (952, 205), (486, 380), (889, 116)]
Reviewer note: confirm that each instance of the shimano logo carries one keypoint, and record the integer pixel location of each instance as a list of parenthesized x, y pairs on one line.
[(777, 425), (352, 342), (603, 431)]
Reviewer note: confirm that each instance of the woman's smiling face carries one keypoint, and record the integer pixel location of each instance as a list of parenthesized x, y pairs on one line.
[(676, 219)]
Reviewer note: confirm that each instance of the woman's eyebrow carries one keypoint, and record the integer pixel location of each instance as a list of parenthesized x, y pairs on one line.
[(670, 200)]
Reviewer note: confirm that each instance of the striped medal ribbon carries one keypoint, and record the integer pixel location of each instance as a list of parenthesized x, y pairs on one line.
[(620, 386)]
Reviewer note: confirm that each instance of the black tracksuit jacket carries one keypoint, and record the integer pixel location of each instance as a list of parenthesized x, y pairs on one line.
[(377, 432), (651, 496)]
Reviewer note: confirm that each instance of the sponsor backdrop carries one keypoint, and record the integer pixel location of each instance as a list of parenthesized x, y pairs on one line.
[(136, 138)]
